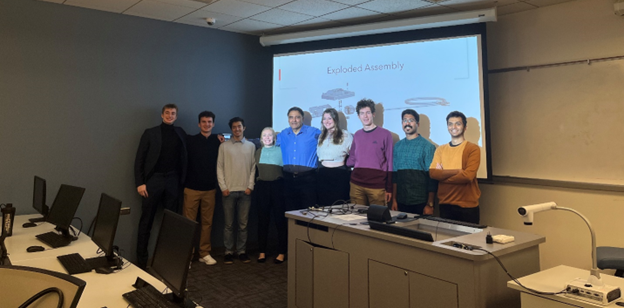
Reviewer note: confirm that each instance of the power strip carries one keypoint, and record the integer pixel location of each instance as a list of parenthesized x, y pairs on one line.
[(581, 290)]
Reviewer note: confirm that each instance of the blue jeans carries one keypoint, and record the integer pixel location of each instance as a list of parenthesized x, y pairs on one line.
[(236, 203)]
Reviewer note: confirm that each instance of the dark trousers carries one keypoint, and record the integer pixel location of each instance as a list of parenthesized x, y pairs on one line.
[(333, 185), (300, 190), (457, 212), (161, 187), (411, 208), (270, 201)]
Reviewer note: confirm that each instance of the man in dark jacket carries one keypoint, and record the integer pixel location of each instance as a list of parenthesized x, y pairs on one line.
[(159, 170)]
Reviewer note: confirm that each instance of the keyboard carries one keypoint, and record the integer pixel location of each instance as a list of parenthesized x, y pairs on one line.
[(455, 222), (74, 263), (53, 239), (148, 297)]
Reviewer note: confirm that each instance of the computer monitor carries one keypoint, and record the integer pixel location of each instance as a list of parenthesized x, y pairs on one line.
[(64, 207), (172, 255), (104, 231), (39, 199)]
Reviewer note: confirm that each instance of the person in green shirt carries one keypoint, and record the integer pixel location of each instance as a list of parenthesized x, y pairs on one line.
[(270, 195), (413, 189)]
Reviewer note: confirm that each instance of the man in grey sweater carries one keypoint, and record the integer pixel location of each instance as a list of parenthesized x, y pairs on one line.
[(235, 173)]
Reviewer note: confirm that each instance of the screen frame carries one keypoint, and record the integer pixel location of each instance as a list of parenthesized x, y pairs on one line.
[(170, 223), (111, 206), (402, 37), (63, 222), (43, 210)]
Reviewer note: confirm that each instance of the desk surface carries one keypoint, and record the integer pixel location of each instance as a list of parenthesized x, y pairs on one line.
[(522, 241), (101, 290), (554, 279), (23, 238)]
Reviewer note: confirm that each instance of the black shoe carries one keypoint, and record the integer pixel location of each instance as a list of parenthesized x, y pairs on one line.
[(244, 258), (228, 259), (261, 260), (276, 261)]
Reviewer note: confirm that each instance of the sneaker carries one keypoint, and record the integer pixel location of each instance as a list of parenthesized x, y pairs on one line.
[(228, 259), (244, 258), (208, 260)]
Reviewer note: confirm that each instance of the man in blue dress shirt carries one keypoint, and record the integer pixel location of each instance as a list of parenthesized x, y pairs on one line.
[(298, 144)]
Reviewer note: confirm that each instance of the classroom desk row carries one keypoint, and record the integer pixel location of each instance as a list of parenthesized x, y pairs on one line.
[(101, 290)]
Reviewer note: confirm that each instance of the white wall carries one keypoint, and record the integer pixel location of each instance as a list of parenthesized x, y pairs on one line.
[(571, 31)]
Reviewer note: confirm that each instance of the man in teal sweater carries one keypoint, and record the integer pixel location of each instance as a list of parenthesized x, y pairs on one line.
[(413, 189)]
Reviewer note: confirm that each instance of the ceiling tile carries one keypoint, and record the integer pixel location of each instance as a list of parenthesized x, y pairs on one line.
[(301, 27), (251, 26), (187, 3), (308, 25), (116, 6), (198, 18), (319, 21), (313, 7), (493, 3), (351, 2), (543, 3), (271, 3), (469, 5), (282, 30), (465, 5), (433, 9), (393, 6), (514, 8), (279, 16), (158, 10), (349, 13), (237, 8), (283, 16), (365, 20)]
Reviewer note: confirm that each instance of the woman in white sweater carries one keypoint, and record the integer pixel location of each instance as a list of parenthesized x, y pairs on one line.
[(332, 150)]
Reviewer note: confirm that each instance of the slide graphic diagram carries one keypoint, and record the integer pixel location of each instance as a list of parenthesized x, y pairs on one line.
[(333, 95)]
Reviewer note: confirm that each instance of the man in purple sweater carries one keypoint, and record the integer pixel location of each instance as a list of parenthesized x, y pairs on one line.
[(371, 157)]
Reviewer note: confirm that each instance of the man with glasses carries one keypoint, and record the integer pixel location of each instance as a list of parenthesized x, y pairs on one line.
[(412, 188), (298, 144)]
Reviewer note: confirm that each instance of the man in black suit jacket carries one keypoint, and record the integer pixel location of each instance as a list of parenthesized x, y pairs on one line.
[(159, 172)]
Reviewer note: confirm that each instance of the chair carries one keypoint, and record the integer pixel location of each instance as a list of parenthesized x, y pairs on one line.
[(611, 258), (18, 284)]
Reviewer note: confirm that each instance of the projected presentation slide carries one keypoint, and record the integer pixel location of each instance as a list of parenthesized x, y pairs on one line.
[(433, 77)]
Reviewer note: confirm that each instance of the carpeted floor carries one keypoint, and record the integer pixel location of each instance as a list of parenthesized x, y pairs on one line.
[(253, 285)]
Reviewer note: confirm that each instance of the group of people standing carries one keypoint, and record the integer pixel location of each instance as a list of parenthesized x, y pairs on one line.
[(300, 167)]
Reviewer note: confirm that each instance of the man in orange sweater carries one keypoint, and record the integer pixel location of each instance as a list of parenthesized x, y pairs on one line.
[(455, 166)]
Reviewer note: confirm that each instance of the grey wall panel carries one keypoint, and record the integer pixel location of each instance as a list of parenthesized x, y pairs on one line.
[(79, 86)]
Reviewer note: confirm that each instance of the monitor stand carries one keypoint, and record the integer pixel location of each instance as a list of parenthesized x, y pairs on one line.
[(38, 219), (104, 261), (44, 212), (180, 302)]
